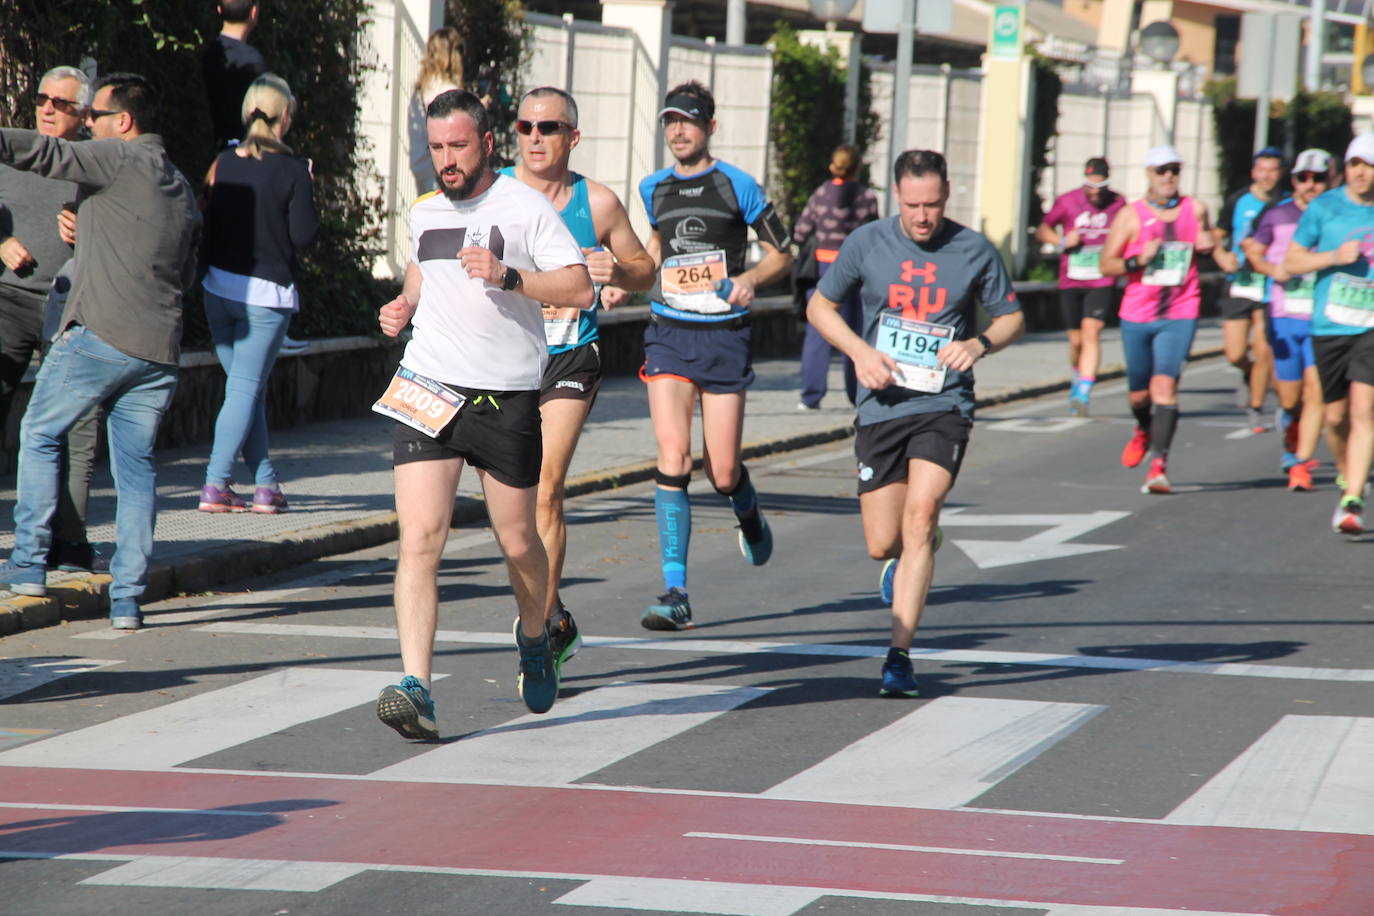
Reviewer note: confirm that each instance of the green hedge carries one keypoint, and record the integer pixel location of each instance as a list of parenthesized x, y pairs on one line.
[(311, 43), (1309, 119), (806, 121)]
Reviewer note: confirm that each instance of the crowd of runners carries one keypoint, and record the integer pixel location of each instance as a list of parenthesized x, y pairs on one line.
[(508, 269)]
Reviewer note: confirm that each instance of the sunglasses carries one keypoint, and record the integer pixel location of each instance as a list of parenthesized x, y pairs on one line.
[(66, 106), (95, 114), (1172, 168), (545, 127), (1309, 177)]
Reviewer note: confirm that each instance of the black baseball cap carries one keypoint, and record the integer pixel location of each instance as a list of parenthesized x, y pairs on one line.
[(689, 106), (1095, 172)]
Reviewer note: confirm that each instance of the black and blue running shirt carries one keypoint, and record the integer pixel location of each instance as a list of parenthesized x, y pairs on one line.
[(711, 210)]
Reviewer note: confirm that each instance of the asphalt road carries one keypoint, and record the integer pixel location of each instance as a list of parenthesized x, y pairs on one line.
[(1132, 705)]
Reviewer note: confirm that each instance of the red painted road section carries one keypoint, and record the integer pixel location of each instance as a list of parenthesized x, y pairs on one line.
[(641, 834)]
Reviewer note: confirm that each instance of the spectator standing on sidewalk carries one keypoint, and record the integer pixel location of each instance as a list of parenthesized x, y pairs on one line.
[(229, 64), (440, 70), (33, 252), (835, 209), (120, 335), (261, 215)]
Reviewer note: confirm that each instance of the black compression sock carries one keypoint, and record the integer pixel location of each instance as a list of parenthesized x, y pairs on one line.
[(1162, 427)]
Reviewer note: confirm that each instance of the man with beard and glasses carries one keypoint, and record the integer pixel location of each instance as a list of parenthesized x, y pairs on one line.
[(618, 263), (487, 251)]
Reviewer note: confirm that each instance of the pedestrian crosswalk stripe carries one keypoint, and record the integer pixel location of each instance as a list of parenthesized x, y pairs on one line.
[(898, 847), (226, 874), (20, 675), (1305, 773), (746, 647), (960, 746), (187, 729), (579, 736)]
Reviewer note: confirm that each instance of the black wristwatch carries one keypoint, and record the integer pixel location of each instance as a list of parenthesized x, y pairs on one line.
[(511, 280), (987, 344)]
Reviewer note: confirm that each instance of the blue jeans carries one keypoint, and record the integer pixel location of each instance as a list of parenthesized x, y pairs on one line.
[(816, 353), (80, 372), (247, 338), (1156, 348)]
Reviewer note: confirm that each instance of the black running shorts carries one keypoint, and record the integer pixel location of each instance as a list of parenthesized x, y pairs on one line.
[(884, 448), (1079, 302), (1342, 359), (1234, 308), (574, 373), (495, 431)]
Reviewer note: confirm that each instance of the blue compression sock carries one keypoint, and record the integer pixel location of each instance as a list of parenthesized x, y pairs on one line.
[(674, 514)]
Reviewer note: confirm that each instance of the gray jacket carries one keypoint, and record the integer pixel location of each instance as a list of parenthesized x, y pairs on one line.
[(29, 205), (137, 232)]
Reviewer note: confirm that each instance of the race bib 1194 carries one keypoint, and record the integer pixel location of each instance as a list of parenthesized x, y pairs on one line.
[(915, 346)]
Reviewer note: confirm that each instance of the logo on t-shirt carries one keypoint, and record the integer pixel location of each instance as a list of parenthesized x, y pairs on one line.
[(689, 236), (444, 244), (931, 299)]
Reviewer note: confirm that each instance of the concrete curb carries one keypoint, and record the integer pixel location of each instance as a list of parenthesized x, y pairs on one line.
[(83, 597)]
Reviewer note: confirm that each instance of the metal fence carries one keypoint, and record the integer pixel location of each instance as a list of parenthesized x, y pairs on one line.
[(619, 90)]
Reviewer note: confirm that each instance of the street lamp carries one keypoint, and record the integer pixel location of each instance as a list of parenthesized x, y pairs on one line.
[(829, 11), (1159, 42)]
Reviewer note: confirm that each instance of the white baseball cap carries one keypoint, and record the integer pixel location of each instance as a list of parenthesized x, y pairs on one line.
[(1362, 147), (1164, 154), (1312, 160)]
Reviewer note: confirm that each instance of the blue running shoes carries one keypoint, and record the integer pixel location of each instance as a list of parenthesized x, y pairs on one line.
[(673, 612), (898, 678), (408, 708)]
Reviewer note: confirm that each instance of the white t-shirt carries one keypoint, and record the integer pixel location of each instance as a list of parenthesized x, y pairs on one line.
[(469, 332)]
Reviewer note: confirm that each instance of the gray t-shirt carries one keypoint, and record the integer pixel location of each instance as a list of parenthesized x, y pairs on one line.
[(941, 282)]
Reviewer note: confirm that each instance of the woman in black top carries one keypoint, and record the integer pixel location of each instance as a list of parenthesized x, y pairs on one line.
[(261, 213)]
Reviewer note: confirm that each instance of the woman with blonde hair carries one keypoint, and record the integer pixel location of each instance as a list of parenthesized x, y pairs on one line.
[(835, 209), (261, 213), (440, 70)]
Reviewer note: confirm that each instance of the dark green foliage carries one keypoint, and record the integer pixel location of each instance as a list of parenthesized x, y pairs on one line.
[(310, 43), (1044, 127), (807, 118), (496, 48), (1310, 119)]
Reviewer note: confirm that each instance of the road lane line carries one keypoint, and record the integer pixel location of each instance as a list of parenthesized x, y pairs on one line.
[(896, 847), (133, 809), (1306, 773), (960, 746), (209, 722), (579, 736), (20, 675), (743, 647)]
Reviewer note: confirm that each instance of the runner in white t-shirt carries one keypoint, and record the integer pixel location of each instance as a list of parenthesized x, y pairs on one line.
[(487, 251)]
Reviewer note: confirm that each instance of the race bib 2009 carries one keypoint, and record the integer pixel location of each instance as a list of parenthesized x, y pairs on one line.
[(419, 402)]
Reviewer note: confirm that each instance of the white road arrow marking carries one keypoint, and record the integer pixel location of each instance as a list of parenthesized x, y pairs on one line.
[(1045, 545), (1039, 424)]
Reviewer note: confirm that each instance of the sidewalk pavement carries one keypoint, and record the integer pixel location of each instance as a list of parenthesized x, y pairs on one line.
[(337, 476)]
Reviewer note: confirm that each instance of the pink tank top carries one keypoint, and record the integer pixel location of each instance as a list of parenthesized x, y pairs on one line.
[(1167, 287)]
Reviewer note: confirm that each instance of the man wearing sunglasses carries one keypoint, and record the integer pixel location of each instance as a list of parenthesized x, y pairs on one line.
[(698, 342), (1243, 325), (33, 249), (1290, 323), (120, 334), (1154, 243), (1335, 238), (1086, 296), (617, 262)]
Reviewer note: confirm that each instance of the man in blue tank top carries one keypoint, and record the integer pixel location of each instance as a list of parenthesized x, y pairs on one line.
[(698, 343), (547, 126)]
